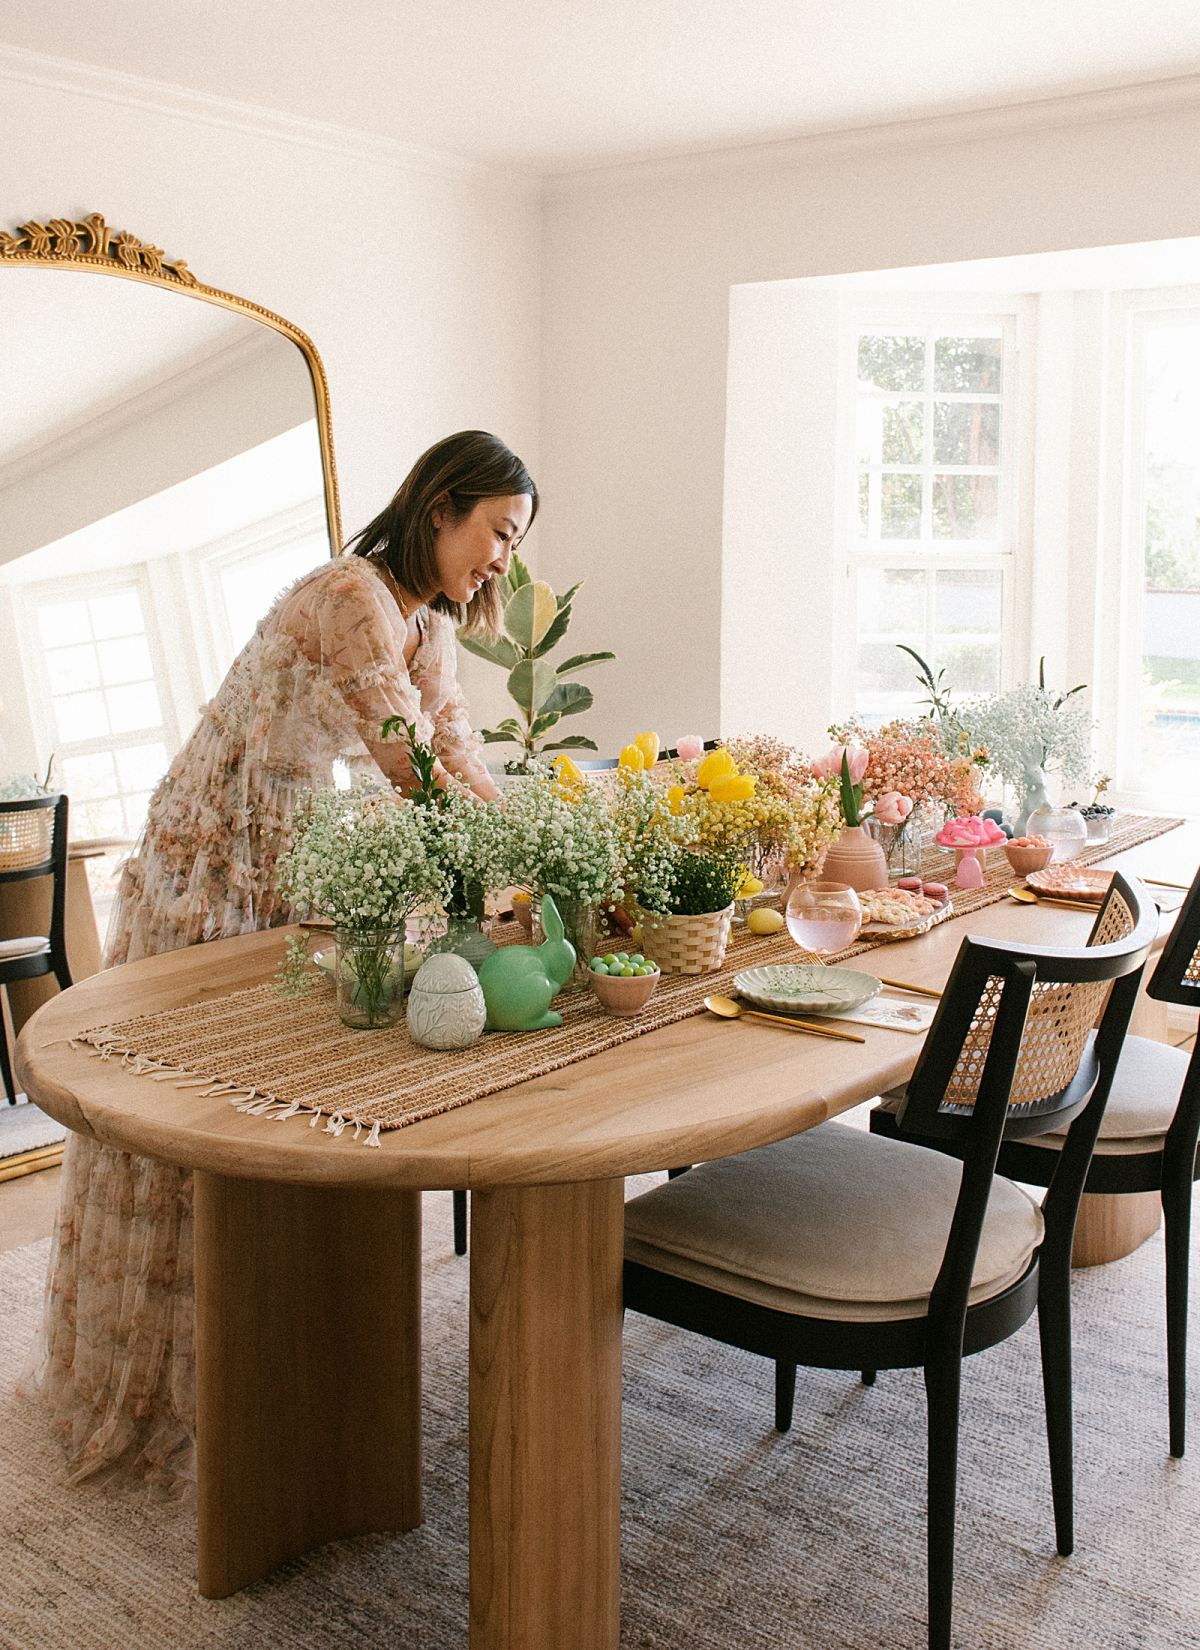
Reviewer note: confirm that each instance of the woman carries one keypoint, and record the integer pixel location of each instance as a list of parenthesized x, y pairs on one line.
[(365, 637)]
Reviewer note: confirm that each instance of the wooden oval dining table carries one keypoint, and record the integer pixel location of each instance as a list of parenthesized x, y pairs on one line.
[(307, 1269)]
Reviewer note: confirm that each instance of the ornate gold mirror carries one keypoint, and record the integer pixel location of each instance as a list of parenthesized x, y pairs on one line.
[(166, 467)]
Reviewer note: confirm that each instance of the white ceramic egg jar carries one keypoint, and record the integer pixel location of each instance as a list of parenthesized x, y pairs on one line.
[(446, 1009)]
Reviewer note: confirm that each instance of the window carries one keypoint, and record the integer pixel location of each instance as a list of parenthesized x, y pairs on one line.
[(102, 699), (930, 541), (1168, 724)]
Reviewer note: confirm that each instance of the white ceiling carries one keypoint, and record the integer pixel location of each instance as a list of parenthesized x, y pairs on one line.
[(554, 85)]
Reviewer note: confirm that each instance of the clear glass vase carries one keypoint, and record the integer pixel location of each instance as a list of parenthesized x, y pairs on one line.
[(579, 925), (465, 937), (901, 846), (370, 977)]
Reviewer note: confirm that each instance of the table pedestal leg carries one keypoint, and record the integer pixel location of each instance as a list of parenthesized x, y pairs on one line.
[(308, 1379), (546, 1417)]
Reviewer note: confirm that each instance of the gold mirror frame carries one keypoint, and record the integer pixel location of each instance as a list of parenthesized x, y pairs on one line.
[(63, 243)]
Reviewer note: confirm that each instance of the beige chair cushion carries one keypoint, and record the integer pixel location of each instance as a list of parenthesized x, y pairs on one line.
[(27, 947), (1142, 1104), (835, 1223)]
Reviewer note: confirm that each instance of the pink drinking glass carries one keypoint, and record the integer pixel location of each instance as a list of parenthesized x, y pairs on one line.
[(824, 917)]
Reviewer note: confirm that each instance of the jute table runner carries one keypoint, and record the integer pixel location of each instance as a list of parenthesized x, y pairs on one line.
[(278, 1056)]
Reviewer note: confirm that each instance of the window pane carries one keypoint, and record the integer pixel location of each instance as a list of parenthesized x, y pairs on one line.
[(900, 515), (966, 364), (903, 433), (971, 667), (133, 707), (891, 602), (97, 818), (136, 807), (63, 622), (1170, 704), (72, 669), (864, 505), (966, 432), (141, 766), (968, 602), (891, 363), (89, 776), (81, 716), (965, 507), (117, 615), (125, 661)]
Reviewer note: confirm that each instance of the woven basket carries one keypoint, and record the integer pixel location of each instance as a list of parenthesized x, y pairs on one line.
[(687, 945), (25, 838)]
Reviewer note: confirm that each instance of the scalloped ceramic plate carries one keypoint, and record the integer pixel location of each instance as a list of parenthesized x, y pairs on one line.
[(1067, 881), (805, 988)]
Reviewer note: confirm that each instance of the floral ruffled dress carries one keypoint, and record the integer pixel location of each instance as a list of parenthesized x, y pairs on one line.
[(115, 1358)]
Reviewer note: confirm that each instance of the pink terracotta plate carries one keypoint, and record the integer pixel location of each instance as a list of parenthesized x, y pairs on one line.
[(1082, 882)]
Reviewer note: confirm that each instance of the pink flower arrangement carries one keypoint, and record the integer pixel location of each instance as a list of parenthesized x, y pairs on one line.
[(909, 758)]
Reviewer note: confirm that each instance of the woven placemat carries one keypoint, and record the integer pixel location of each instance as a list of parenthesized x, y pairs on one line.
[(279, 1056)]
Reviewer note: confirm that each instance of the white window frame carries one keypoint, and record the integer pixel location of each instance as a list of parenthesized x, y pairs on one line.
[(1120, 566), (957, 314)]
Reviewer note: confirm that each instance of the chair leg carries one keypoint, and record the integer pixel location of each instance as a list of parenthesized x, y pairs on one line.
[(785, 1394), (1054, 1329), (942, 1380), (868, 1377), (460, 1222), (10, 1090), (1177, 1219)]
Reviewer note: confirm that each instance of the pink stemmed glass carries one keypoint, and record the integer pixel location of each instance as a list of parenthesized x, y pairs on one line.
[(824, 917)]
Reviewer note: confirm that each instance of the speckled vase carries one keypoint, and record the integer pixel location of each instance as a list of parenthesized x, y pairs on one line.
[(446, 1009)]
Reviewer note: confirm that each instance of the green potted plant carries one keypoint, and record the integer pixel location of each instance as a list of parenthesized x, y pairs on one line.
[(535, 621), (689, 931)]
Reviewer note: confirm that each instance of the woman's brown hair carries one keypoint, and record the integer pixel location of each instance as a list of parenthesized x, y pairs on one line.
[(465, 469)]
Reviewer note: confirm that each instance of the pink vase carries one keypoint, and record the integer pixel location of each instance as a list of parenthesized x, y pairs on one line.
[(856, 859)]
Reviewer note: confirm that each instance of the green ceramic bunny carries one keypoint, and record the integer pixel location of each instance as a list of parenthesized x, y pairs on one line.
[(520, 981)]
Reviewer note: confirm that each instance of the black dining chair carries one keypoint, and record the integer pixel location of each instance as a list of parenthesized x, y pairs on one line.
[(1147, 1141), (843, 1249), (32, 845)]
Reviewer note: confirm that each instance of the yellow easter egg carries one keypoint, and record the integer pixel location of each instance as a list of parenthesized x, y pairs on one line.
[(764, 921)]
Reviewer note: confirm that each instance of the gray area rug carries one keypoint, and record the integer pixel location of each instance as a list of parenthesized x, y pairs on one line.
[(24, 1128), (734, 1538)]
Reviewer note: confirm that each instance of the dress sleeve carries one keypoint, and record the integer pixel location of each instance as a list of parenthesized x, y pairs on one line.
[(351, 631)]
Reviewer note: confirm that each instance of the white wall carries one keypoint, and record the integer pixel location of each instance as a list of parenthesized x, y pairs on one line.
[(420, 287), (637, 272)]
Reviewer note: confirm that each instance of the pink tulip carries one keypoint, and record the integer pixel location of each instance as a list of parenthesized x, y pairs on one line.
[(690, 748), (829, 766), (892, 808)]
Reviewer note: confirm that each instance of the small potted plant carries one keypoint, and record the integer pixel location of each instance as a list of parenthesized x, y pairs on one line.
[(689, 932)]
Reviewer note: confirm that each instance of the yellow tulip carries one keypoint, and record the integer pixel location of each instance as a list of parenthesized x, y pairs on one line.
[(569, 781), (648, 743), (731, 787), (675, 797), (748, 886), (715, 763), (632, 757)]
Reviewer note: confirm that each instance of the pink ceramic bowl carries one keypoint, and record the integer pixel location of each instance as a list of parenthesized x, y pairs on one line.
[(624, 998), (1024, 860)]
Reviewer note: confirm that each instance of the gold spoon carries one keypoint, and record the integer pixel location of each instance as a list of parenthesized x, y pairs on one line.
[(1028, 897), (727, 1009)]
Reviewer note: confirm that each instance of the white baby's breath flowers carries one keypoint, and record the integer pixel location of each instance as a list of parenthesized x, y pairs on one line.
[(1029, 727), (567, 848), (363, 858)]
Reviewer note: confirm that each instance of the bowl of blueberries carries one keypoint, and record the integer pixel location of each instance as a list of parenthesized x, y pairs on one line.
[(623, 982)]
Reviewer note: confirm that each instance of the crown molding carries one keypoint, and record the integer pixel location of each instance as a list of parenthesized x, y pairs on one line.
[(204, 109), (1093, 106)]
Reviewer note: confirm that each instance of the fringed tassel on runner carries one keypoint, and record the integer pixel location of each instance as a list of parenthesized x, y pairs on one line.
[(101, 1044)]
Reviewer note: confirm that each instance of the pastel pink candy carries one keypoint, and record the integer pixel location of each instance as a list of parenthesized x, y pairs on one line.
[(972, 832), (690, 748), (969, 873)]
